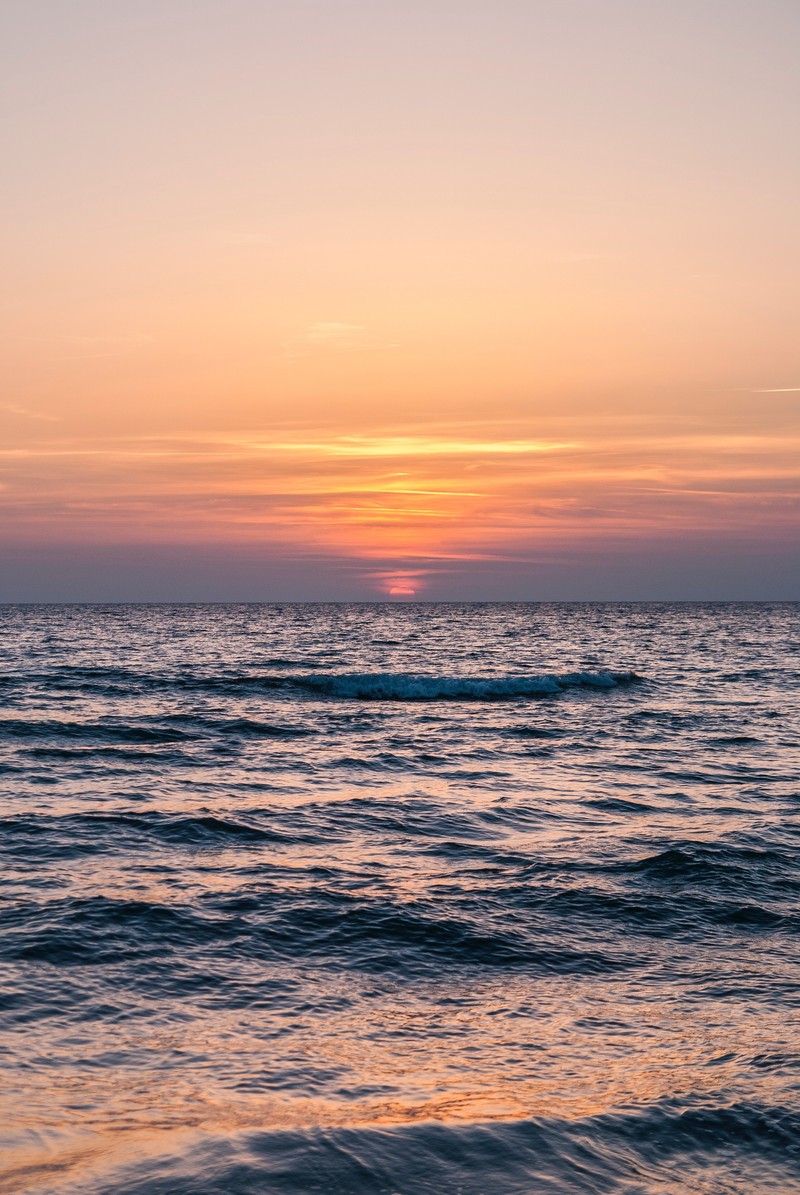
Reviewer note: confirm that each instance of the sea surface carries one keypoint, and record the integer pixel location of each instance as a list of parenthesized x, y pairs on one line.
[(400, 899)]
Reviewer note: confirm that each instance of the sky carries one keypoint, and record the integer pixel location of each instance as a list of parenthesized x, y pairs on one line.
[(455, 299)]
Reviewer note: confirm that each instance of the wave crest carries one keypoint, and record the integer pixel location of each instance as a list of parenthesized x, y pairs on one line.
[(408, 686)]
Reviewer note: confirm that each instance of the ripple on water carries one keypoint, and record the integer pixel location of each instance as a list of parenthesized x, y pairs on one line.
[(492, 898)]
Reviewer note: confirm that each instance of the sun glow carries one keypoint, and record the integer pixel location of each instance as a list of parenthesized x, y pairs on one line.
[(403, 510)]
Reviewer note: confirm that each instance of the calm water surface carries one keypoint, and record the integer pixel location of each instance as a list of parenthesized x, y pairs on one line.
[(400, 899)]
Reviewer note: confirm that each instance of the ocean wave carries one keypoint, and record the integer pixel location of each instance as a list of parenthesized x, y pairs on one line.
[(360, 686), (716, 865), (331, 928), (183, 729), (49, 837), (50, 728), (651, 1149), (409, 686)]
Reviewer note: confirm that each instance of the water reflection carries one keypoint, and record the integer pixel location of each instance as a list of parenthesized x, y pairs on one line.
[(235, 908)]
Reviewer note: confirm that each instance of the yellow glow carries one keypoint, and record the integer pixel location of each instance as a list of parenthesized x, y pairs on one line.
[(462, 493)]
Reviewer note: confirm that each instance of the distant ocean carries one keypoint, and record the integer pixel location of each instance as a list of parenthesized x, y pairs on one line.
[(400, 899)]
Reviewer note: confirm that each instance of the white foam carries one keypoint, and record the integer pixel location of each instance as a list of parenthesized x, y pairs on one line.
[(406, 686)]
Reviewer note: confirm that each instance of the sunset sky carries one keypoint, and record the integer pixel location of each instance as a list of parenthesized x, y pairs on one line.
[(342, 299)]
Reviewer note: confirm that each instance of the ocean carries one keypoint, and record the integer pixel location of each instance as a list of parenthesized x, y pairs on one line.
[(400, 899)]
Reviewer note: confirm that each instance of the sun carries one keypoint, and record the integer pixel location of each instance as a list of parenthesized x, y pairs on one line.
[(399, 583)]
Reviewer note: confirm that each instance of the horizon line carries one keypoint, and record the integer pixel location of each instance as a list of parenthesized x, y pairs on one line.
[(775, 601)]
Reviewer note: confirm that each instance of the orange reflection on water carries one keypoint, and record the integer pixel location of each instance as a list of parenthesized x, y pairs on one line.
[(516, 1048)]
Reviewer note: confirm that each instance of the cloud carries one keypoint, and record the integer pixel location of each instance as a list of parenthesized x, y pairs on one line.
[(336, 335), (26, 413), (399, 446), (402, 498)]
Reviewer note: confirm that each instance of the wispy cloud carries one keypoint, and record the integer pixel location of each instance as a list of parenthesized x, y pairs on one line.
[(403, 496), (335, 335), (26, 412), (399, 447)]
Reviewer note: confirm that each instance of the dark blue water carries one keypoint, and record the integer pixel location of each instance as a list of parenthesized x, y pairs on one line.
[(400, 899)]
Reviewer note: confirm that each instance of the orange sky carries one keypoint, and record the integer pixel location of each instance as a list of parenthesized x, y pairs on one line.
[(451, 299)]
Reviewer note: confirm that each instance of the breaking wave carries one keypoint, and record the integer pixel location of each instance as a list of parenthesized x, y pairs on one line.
[(409, 686)]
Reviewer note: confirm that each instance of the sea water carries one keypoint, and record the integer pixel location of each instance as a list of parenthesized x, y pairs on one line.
[(400, 899)]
